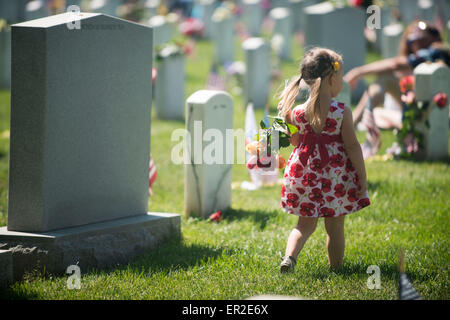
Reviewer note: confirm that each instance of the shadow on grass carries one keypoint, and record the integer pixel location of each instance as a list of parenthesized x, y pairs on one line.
[(258, 217), (387, 271)]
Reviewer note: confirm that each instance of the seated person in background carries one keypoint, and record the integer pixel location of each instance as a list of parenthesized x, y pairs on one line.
[(420, 42)]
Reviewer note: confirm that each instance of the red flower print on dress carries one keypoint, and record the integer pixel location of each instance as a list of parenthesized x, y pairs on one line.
[(348, 208), (309, 180), (301, 190), (326, 185), (307, 209), (327, 212), (283, 204), (363, 202), (329, 198), (315, 165), (336, 160), (340, 105), (333, 108), (339, 190), (283, 190), (308, 128), (315, 195), (349, 166), (300, 116), (344, 178), (341, 149), (296, 170), (292, 200), (352, 195), (330, 125)]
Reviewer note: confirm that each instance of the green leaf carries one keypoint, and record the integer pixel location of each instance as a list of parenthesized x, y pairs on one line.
[(292, 129), (262, 124)]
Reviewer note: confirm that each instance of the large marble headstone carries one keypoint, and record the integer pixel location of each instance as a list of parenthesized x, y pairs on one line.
[(253, 16), (283, 28), (390, 41), (80, 122), (257, 75), (80, 143), (169, 86), (223, 35), (340, 29), (208, 168), (430, 79)]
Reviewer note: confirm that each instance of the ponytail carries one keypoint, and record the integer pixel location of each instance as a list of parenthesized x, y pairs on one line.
[(288, 97), (311, 110)]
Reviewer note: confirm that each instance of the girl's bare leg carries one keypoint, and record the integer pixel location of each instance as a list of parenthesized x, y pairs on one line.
[(305, 227), (335, 240)]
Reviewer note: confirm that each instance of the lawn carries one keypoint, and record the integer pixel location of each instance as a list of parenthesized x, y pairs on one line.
[(239, 257)]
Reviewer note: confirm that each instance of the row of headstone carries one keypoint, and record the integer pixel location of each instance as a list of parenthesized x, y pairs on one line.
[(282, 30), (297, 11), (253, 16), (79, 146), (163, 30)]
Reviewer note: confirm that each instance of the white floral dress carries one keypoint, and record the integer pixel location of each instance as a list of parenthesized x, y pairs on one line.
[(319, 178)]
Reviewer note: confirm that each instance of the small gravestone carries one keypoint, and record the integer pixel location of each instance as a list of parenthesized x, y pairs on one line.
[(430, 79), (223, 35), (385, 20), (283, 28), (297, 11), (408, 10), (169, 86), (340, 29), (253, 16), (257, 75), (208, 154), (35, 9), (390, 41), (80, 144), (105, 6), (162, 30), (5, 55)]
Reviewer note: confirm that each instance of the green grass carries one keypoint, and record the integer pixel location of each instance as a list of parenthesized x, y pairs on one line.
[(239, 257)]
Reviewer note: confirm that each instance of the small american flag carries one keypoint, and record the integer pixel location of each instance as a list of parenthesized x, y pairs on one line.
[(152, 175), (215, 81), (373, 138)]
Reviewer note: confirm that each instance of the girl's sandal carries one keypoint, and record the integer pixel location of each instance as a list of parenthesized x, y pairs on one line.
[(288, 264)]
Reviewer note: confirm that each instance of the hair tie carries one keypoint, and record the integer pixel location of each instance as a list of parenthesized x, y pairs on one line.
[(336, 66)]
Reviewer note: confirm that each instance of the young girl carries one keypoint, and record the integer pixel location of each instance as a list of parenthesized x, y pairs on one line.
[(325, 174)]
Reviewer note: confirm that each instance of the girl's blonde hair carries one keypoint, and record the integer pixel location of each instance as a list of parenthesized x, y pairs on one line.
[(317, 64)]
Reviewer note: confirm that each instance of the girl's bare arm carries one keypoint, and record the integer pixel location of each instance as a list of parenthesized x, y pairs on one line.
[(353, 149)]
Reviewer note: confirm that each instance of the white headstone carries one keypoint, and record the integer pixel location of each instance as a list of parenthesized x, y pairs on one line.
[(430, 79), (283, 28), (162, 30), (257, 76), (223, 35), (208, 172), (297, 7), (169, 86), (5, 56), (340, 29), (253, 16), (390, 41)]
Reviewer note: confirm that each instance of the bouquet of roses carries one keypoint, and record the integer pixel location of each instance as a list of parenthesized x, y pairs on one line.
[(264, 150)]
